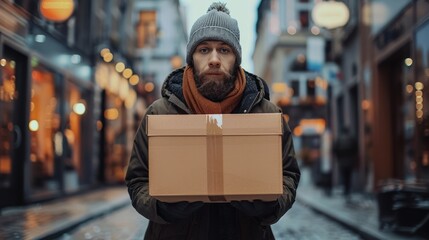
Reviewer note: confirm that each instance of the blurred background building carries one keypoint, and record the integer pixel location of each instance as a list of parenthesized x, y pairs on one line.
[(368, 75), (76, 78), (290, 55)]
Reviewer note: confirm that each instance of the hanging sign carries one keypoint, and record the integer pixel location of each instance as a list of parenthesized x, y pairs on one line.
[(330, 14)]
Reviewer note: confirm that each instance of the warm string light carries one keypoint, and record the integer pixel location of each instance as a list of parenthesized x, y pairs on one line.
[(117, 80), (419, 100)]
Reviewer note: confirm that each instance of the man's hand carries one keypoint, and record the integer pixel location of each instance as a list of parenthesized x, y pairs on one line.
[(172, 212), (256, 208)]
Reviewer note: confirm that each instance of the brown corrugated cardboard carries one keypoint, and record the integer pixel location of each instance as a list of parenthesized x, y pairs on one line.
[(215, 158)]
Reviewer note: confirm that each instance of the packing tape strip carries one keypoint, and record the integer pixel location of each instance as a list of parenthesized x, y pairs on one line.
[(215, 158)]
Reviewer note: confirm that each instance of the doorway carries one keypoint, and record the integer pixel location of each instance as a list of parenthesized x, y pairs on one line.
[(13, 150), (395, 76)]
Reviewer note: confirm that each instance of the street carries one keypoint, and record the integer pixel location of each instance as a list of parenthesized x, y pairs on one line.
[(299, 223), (107, 214)]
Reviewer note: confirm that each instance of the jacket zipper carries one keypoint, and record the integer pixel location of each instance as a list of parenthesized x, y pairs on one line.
[(252, 104)]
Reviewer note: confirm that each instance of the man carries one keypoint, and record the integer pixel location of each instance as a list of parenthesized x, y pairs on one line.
[(212, 83), (345, 150)]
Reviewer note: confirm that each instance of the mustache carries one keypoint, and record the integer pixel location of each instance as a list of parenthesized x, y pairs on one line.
[(215, 72)]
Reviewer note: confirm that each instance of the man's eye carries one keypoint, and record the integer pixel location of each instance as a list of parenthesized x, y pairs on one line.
[(225, 50), (204, 50)]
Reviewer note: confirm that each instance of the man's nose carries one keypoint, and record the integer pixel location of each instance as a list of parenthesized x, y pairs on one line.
[(214, 60)]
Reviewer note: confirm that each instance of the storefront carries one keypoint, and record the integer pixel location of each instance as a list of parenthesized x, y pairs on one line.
[(46, 122), (400, 130), (421, 99), (116, 122), (58, 108), (13, 121)]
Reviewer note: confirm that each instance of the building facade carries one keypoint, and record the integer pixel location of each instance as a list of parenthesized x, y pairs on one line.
[(72, 93), (47, 103), (290, 54), (394, 74), (160, 43), (376, 69)]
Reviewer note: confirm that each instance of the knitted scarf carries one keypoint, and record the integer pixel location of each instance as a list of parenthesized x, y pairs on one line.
[(201, 105)]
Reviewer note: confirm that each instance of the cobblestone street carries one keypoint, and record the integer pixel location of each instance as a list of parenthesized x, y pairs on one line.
[(302, 223), (107, 214), (125, 223), (299, 223), (110, 104)]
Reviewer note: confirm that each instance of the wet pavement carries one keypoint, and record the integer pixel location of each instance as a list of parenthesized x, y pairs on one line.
[(107, 214), (124, 224), (299, 223), (48, 219), (359, 213)]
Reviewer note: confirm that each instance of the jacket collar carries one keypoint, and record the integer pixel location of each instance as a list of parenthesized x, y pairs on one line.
[(256, 89)]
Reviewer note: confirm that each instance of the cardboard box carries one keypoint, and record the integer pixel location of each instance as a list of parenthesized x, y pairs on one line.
[(215, 158)]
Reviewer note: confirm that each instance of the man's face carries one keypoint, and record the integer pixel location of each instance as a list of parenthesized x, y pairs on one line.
[(214, 69)]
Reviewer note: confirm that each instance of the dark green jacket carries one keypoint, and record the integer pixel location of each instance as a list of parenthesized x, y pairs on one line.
[(217, 220)]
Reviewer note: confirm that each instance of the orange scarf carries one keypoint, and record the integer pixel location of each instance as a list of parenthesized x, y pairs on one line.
[(197, 103)]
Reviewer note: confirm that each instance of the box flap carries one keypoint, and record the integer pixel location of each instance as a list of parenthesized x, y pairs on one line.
[(168, 125), (214, 124), (252, 124)]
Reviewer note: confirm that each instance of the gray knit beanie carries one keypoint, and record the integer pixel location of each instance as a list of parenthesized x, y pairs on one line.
[(215, 25)]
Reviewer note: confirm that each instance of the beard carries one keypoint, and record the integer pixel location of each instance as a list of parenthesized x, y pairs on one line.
[(213, 88)]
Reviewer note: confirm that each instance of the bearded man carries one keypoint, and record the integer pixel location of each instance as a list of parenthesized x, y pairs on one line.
[(212, 82)]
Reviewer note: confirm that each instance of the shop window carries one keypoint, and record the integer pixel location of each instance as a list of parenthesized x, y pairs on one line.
[(146, 30), (304, 19), (300, 63), (115, 145), (311, 88), (43, 126), (295, 88), (420, 99), (8, 95), (73, 159)]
